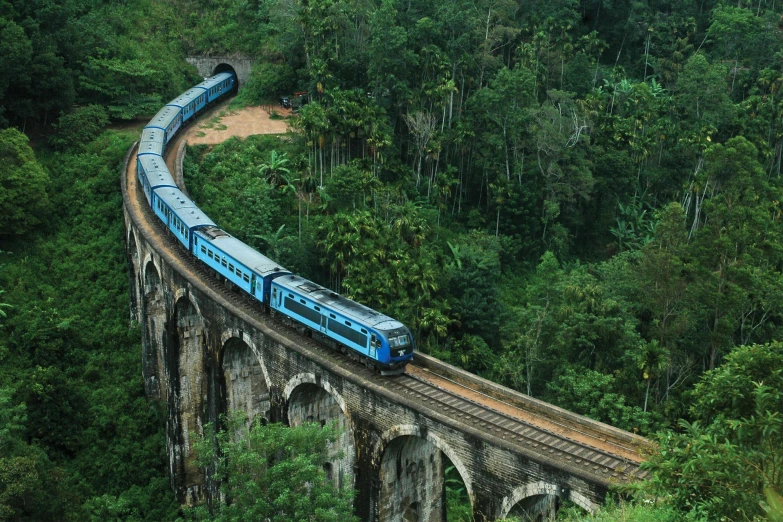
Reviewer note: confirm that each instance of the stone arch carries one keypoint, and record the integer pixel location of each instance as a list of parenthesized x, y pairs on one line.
[(412, 475), (309, 399), (244, 378), (186, 350), (153, 314), (414, 431), (535, 498), (226, 67), (311, 378), (245, 337)]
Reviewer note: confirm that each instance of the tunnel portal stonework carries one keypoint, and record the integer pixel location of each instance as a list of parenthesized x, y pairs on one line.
[(205, 353), (209, 65)]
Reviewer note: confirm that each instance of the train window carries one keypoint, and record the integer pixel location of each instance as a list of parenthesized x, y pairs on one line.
[(223, 262), (291, 296), (302, 301), (317, 309), (203, 249), (239, 272), (209, 254), (333, 316), (187, 235), (363, 330), (246, 278), (347, 323), (231, 267)]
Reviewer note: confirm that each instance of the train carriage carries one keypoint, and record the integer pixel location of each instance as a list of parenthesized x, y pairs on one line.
[(180, 215), (190, 102), (152, 142), (169, 120), (248, 269), (372, 334), (217, 85), (153, 174)]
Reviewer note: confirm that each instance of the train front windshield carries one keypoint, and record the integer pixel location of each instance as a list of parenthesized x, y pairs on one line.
[(401, 341)]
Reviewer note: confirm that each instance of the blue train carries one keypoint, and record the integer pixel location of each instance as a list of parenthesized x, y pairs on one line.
[(379, 341)]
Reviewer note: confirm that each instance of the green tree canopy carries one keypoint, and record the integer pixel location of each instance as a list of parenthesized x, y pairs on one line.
[(718, 466), (273, 473), (23, 183)]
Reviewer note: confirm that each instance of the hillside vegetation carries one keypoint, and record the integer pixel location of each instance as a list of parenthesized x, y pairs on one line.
[(577, 199)]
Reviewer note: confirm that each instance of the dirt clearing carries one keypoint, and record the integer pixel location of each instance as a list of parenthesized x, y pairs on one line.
[(222, 123)]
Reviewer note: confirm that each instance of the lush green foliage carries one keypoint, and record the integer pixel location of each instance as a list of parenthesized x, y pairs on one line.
[(78, 439), (719, 464), (272, 473), (77, 129), (121, 55), (23, 185), (643, 511)]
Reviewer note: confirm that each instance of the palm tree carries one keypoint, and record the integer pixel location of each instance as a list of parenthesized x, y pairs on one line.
[(274, 167), (295, 186), (273, 241), (652, 358)]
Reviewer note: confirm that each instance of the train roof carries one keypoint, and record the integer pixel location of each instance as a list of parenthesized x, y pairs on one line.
[(214, 80), (150, 148), (184, 207), (151, 134), (157, 172), (164, 117), (186, 97), (241, 252), (339, 303)]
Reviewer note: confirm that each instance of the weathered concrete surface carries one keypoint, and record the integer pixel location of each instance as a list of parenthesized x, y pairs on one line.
[(210, 65), (309, 402), (204, 353), (412, 481)]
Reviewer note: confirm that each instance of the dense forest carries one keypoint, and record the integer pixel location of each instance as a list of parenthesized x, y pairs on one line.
[(579, 199)]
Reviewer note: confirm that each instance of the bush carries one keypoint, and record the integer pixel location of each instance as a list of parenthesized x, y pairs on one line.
[(23, 183), (78, 128), (267, 81)]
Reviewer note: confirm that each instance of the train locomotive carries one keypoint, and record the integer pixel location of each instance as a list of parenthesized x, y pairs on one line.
[(379, 341)]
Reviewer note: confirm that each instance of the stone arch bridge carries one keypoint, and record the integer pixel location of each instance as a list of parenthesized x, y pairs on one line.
[(206, 351)]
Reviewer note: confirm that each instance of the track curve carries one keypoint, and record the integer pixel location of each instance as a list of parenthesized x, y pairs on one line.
[(571, 445)]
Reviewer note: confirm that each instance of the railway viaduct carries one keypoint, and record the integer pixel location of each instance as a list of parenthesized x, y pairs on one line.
[(207, 351)]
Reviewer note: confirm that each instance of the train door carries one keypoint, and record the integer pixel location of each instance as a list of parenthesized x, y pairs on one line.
[(373, 342), (323, 324), (253, 288)]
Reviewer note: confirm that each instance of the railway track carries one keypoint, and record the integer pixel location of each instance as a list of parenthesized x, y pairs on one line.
[(545, 439), (615, 464)]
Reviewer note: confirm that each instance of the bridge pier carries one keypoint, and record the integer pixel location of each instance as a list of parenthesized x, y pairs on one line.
[(153, 320), (186, 350)]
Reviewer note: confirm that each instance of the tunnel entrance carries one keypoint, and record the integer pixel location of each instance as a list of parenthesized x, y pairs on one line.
[(224, 67)]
